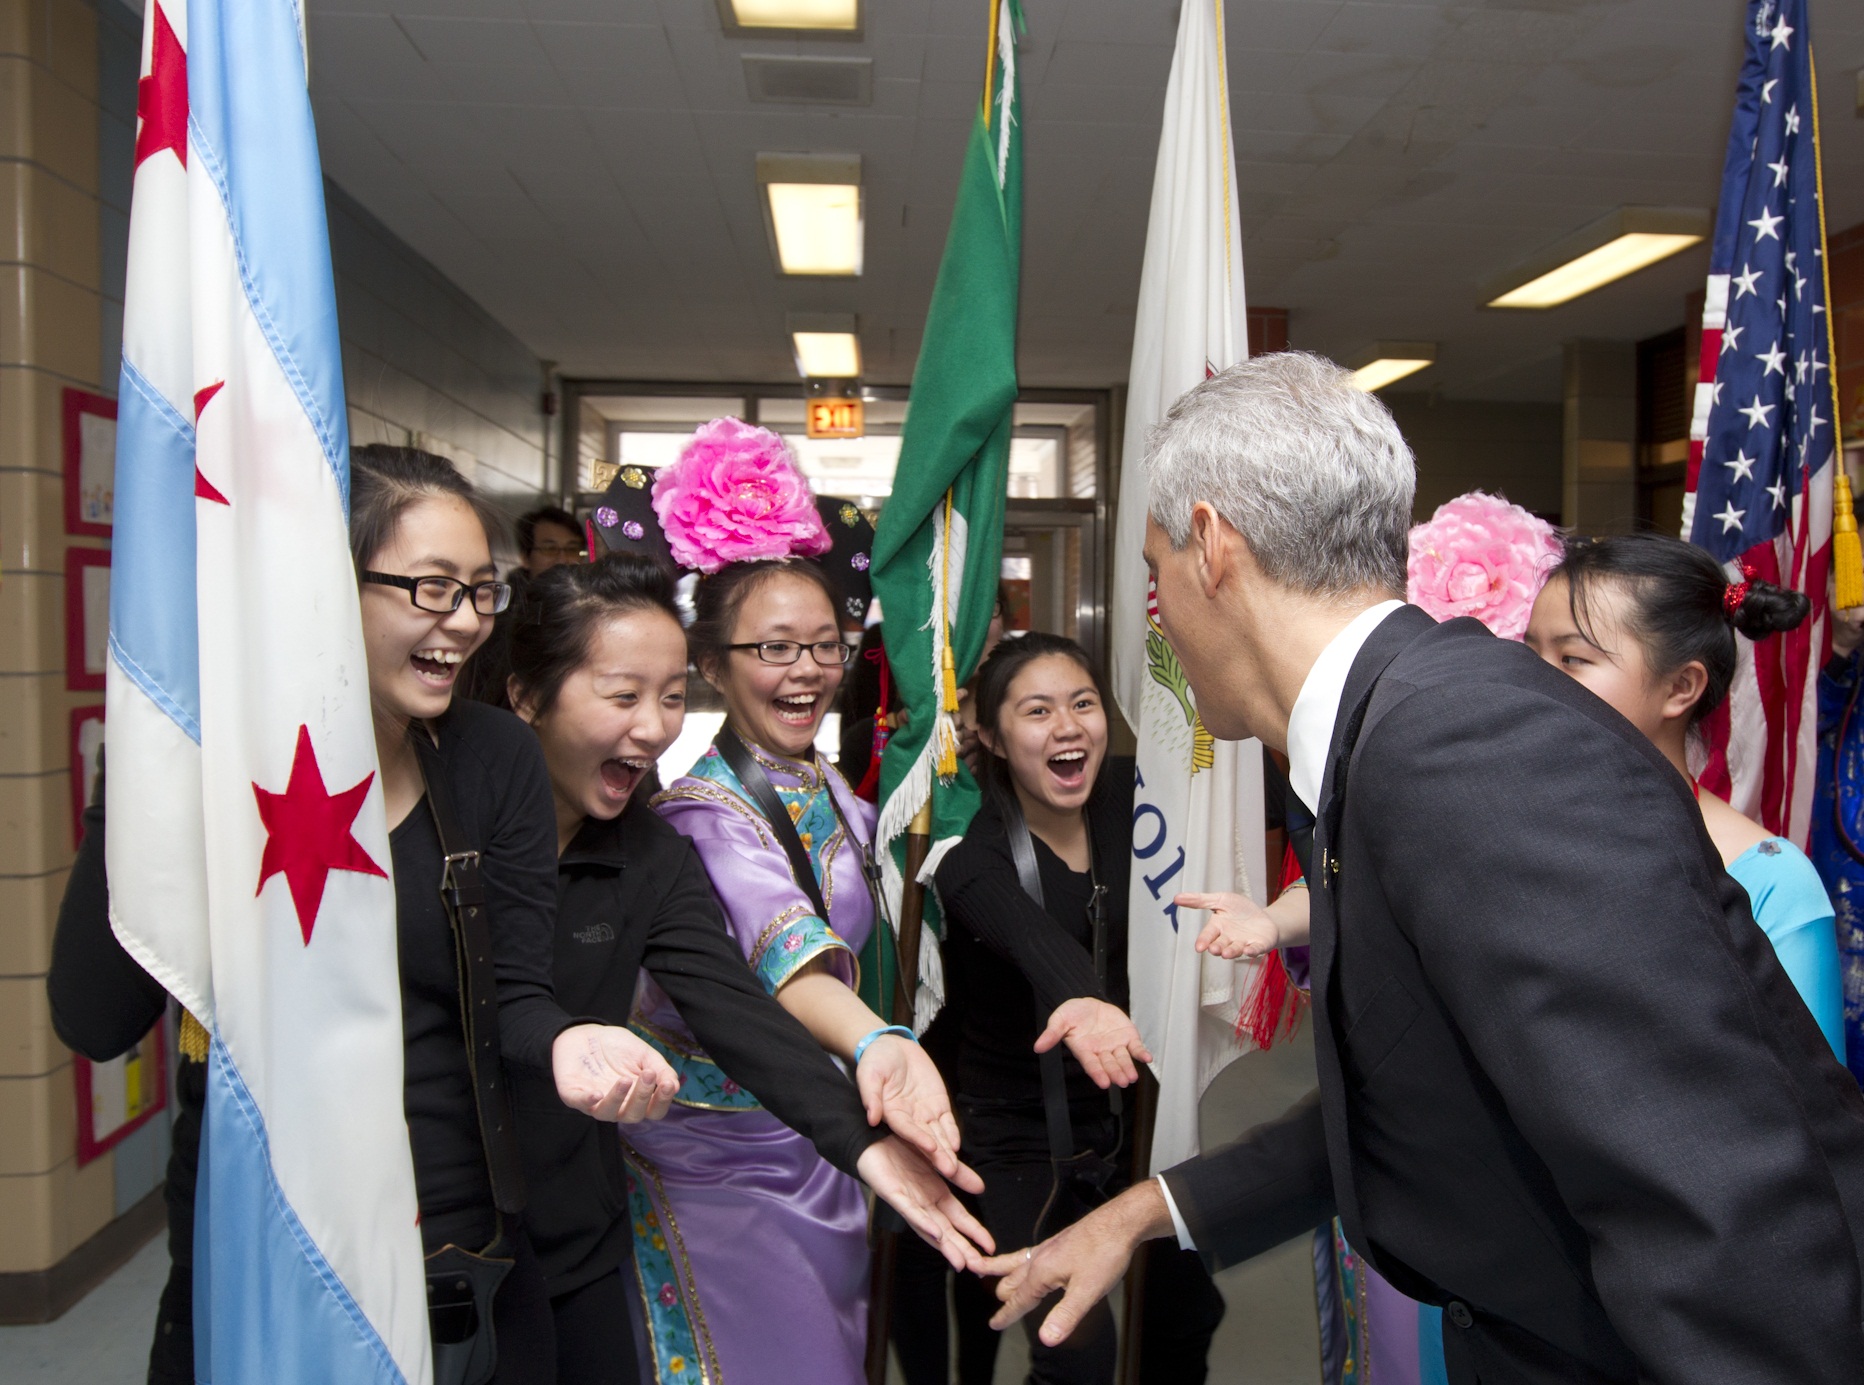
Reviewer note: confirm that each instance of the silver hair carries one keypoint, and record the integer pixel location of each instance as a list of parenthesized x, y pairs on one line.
[(1310, 469)]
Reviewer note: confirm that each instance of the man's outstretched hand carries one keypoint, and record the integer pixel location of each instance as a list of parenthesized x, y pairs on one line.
[(1085, 1261)]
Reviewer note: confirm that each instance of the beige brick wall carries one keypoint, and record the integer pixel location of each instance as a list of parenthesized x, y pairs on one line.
[(50, 316)]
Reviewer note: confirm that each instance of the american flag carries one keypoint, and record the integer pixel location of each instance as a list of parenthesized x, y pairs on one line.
[(1762, 439)]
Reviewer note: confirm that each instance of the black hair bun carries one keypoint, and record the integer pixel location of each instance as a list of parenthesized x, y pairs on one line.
[(1767, 610)]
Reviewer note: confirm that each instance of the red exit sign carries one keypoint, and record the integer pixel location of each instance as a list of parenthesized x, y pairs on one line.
[(836, 418)]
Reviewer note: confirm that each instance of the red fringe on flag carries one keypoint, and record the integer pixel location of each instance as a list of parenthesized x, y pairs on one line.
[(1272, 1009), (1274, 1002)]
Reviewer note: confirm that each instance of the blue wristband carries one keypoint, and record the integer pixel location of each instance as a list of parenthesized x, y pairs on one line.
[(867, 1039)]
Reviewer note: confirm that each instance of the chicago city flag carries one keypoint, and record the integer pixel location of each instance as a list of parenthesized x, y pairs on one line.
[(247, 847), (1763, 437), (1197, 808)]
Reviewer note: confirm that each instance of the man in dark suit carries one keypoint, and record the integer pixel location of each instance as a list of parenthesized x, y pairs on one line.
[(1566, 1090)]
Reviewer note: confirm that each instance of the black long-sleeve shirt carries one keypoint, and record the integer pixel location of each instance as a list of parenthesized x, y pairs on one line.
[(500, 792), (632, 893), (1015, 960)]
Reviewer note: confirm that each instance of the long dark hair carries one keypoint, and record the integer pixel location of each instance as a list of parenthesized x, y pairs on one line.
[(1013, 654), (722, 595), (385, 481), (1681, 607), (556, 613)]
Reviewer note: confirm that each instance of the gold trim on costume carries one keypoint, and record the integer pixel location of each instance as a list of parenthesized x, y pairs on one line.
[(714, 1375)]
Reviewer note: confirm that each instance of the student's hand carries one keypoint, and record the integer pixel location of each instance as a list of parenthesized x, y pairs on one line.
[(900, 1085), (1086, 1260), (606, 1072), (901, 1177), (1238, 927), (1102, 1038)]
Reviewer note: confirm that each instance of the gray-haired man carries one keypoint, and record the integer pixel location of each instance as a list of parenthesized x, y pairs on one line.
[(1566, 1090)]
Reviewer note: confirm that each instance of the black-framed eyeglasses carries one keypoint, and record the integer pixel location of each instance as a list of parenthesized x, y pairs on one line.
[(826, 652), (442, 595)]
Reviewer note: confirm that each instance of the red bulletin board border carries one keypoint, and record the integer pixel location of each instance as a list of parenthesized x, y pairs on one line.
[(89, 1146), (77, 679), (80, 715), (77, 403)]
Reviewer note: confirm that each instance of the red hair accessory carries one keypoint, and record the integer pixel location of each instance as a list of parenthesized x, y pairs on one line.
[(1736, 592)]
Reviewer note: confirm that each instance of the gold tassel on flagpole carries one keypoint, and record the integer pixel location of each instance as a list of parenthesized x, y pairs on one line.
[(1847, 556), (192, 1040)]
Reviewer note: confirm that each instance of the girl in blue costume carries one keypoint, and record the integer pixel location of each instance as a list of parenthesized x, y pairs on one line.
[(1838, 816), (1648, 623)]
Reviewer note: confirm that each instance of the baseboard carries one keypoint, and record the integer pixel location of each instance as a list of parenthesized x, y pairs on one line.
[(44, 1295)]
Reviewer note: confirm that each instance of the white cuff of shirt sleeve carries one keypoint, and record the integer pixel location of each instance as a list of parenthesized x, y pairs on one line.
[(1177, 1222)]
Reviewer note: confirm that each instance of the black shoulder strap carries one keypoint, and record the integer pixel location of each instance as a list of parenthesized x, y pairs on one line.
[(1054, 1076), (757, 784), (463, 893)]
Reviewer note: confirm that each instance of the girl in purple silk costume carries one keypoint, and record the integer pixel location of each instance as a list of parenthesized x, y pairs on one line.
[(757, 1246), (774, 1239)]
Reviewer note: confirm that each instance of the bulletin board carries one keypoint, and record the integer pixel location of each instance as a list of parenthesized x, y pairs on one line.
[(118, 1098), (90, 463)]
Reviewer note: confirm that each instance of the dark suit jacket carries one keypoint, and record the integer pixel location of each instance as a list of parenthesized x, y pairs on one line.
[(632, 893), (1565, 1087)]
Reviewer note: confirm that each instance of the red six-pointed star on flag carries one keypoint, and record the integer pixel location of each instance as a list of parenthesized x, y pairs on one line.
[(162, 96), (309, 833)]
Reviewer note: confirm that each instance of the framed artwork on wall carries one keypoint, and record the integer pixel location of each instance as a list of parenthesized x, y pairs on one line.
[(90, 463), (117, 1098), (87, 747), (87, 617)]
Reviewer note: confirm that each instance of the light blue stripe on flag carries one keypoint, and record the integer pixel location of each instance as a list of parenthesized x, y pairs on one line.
[(260, 149), (153, 632), (267, 1305)]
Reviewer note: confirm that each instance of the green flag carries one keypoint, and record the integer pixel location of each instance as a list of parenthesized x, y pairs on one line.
[(939, 544)]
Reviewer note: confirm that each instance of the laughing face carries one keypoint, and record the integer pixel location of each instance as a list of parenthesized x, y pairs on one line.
[(780, 706), (1052, 730), (615, 713), (415, 655)]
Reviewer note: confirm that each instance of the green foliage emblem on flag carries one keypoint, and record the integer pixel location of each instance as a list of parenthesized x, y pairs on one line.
[(939, 544)]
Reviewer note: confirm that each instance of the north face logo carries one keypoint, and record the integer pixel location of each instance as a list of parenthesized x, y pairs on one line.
[(599, 933)]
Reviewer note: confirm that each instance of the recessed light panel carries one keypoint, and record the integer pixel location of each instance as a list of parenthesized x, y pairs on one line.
[(1617, 244), (838, 15), (817, 227), (1377, 374), (1595, 269), (827, 355)]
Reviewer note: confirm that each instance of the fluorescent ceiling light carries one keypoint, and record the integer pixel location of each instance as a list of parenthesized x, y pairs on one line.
[(1386, 361), (812, 212), (841, 15), (827, 355), (1376, 375), (1627, 240), (817, 226)]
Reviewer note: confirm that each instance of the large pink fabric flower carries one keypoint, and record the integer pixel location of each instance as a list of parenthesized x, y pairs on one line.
[(1481, 556), (735, 496)]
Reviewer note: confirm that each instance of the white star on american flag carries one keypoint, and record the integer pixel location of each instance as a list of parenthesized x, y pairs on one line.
[(1742, 466), (1781, 35), (1778, 491), (1757, 413), (1766, 225), (1744, 281), (1730, 517), (1731, 335), (1779, 172)]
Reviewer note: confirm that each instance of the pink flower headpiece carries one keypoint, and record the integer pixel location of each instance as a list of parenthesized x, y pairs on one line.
[(735, 496), (1481, 556)]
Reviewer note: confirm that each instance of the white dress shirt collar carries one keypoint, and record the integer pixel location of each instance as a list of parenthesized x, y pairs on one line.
[(1310, 722)]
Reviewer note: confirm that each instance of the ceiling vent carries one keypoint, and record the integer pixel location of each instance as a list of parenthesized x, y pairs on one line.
[(809, 81)]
